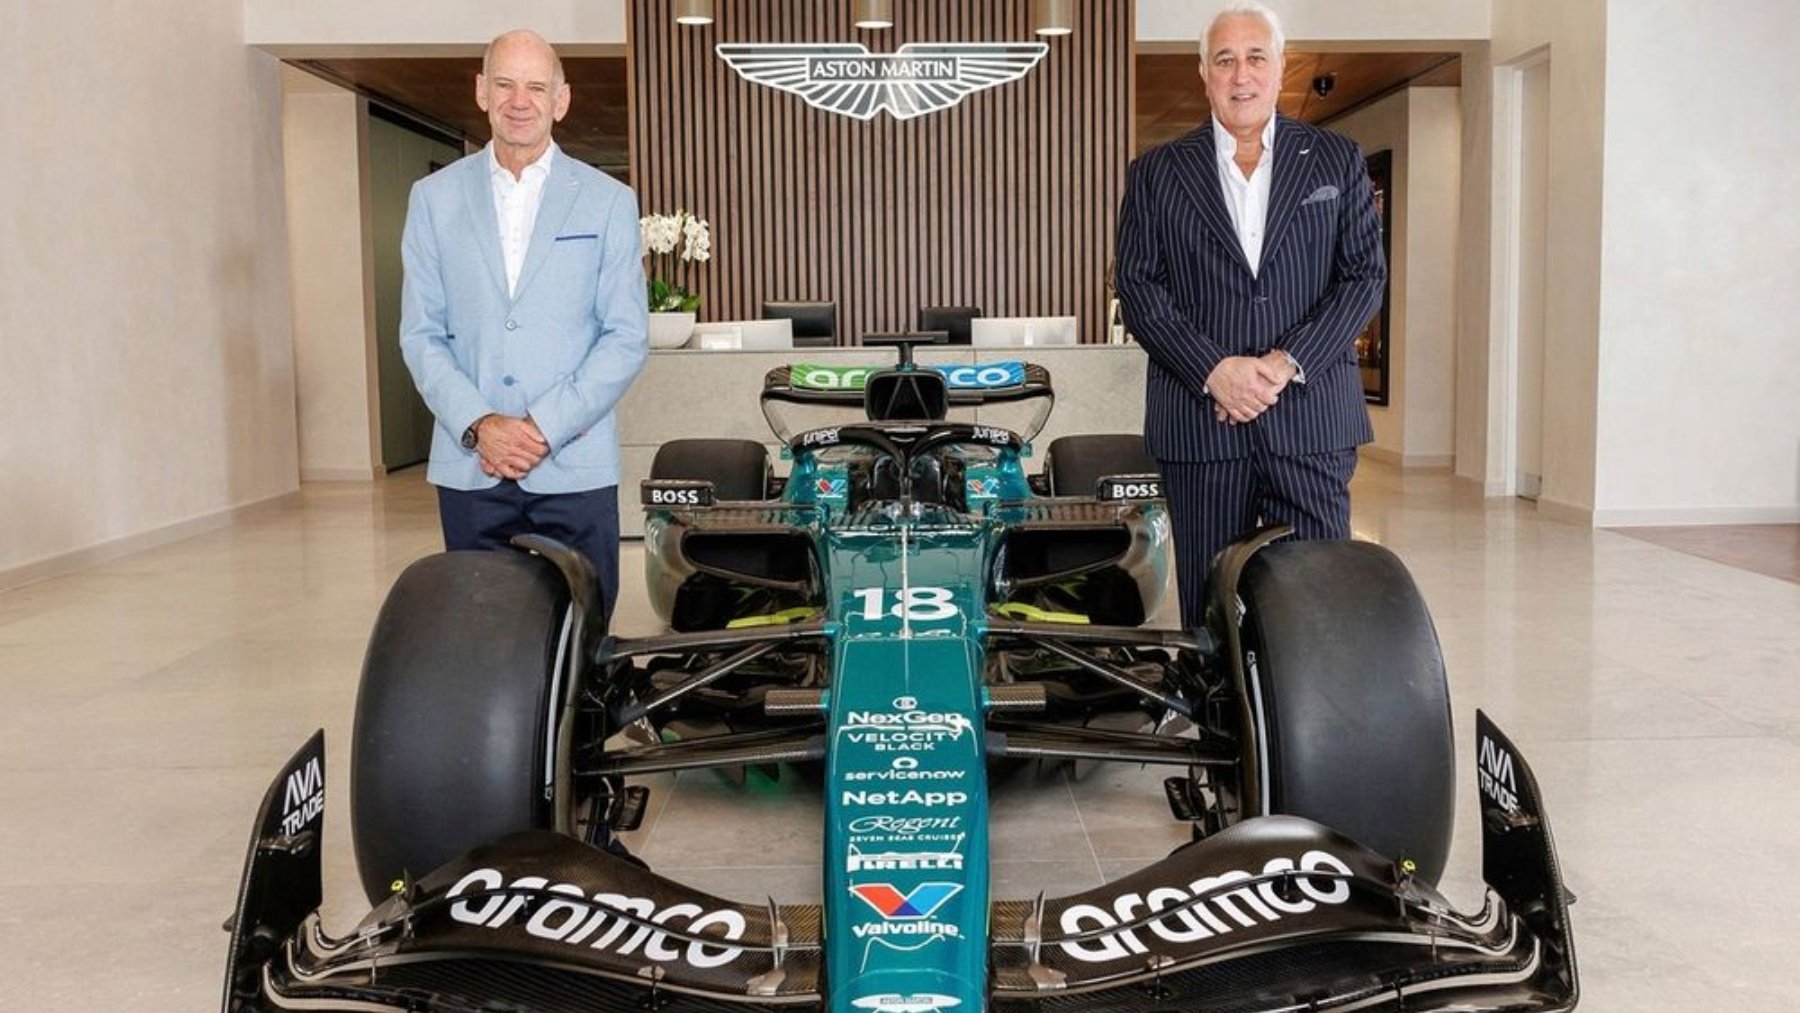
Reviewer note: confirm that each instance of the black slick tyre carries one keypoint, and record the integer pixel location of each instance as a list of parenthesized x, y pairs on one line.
[(453, 716), (738, 469), (1348, 684), (1074, 465)]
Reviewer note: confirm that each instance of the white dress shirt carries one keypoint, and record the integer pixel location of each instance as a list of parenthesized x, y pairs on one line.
[(516, 203), (1247, 199)]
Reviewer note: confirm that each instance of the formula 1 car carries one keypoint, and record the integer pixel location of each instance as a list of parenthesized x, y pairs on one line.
[(904, 613)]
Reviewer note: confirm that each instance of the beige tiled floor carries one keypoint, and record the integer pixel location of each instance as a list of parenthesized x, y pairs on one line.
[(145, 703)]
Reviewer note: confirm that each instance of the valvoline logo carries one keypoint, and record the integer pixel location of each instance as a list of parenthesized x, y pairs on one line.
[(830, 486), (921, 902)]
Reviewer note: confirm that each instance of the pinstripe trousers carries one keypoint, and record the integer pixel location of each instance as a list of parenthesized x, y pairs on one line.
[(1213, 503)]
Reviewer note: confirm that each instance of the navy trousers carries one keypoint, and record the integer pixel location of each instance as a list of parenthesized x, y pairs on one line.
[(1214, 503), (587, 522)]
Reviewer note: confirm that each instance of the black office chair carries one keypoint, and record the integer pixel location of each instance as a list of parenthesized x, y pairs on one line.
[(815, 323), (952, 320)]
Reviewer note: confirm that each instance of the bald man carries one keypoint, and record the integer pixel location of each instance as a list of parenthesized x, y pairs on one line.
[(523, 321)]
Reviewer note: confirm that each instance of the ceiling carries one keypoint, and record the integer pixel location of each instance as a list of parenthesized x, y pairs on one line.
[(1171, 100), (441, 92)]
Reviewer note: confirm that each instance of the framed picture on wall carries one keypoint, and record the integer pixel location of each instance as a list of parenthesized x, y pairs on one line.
[(1372, 343)]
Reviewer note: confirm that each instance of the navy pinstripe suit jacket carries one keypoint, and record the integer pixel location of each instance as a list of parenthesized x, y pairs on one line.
[(1190, 299)]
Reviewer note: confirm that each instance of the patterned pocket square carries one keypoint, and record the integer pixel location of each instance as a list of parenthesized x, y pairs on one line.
[(1322, 194)]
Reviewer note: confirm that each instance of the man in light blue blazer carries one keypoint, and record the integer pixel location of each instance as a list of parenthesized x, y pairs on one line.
[(1249, 257), (523, 320)]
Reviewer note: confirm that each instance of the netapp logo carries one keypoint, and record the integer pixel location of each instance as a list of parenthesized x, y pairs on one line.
[(1248, 906), (304, 797), (917, 79), (909, 797), (1496, 770), (575, 921)]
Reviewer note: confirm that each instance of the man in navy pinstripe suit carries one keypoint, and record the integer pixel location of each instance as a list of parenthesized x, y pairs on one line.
[(1249, 256)]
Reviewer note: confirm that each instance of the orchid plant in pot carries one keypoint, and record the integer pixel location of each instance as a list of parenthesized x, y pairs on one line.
[(672, 243)]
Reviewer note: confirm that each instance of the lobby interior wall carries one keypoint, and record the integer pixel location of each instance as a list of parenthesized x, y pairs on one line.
[(1383, 127), (302, 27), (148, 388), (1420, 126), (1328, 20), (1699, 421), (1480, 459), (1434, 205), (324, 135), (1005, 202), (1573, 33)]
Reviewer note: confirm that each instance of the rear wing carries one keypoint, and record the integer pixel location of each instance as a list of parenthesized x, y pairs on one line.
[(970, 383)]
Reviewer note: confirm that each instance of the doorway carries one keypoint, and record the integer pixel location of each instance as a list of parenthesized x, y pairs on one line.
[(400, 154), (1531, 142)]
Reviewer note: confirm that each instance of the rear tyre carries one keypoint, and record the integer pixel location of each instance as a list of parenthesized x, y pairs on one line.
[(1074, 465), (1345, 672), (454, 714), (738, 469)]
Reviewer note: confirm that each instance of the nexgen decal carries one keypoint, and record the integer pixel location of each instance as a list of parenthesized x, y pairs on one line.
[(579, 920)]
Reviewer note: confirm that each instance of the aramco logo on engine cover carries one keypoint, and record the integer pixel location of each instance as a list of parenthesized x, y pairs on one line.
[(917, 79)]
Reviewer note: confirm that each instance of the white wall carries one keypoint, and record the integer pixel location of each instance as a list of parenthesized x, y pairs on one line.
[(1420, 126), (148, 382), (1699, 415), (1328, 20), (1433, 206), (324, 134), (1383, 126), (296, 27), (1479, 456), (293, 27), (1574, 34)]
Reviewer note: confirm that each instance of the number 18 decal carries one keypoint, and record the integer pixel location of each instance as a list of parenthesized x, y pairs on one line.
[(915, 604)]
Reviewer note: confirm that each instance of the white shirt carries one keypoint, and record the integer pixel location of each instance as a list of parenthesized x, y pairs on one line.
[(1246, 199), (516, 203)]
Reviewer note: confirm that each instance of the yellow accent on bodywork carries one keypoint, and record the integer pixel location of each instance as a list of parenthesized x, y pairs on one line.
[(1031, 613), (782, 618)]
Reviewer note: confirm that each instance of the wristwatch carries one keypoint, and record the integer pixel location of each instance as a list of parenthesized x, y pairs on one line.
[(470, 437)]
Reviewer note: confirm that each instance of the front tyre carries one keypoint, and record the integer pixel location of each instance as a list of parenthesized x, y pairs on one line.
[(454, 715), (1347, 686)]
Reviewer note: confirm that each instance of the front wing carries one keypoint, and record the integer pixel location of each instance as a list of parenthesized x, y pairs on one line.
[(1276, 913)]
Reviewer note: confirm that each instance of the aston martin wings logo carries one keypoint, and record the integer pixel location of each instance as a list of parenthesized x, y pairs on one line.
[(917, 79)]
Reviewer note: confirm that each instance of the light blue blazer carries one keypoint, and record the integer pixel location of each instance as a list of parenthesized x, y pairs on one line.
[(563, 350)]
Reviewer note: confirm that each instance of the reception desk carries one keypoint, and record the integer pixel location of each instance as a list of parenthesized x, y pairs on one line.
[(688, 394)]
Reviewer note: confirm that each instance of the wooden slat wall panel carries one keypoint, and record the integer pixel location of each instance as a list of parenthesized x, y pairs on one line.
[(1006, 201)]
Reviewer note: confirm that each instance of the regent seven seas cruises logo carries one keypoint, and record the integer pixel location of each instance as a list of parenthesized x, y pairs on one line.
[(917, 79)]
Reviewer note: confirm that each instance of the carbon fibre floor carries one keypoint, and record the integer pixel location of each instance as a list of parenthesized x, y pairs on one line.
[(144, 703)]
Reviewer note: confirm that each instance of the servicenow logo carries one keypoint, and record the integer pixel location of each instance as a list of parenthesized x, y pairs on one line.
[(1247, 906)]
